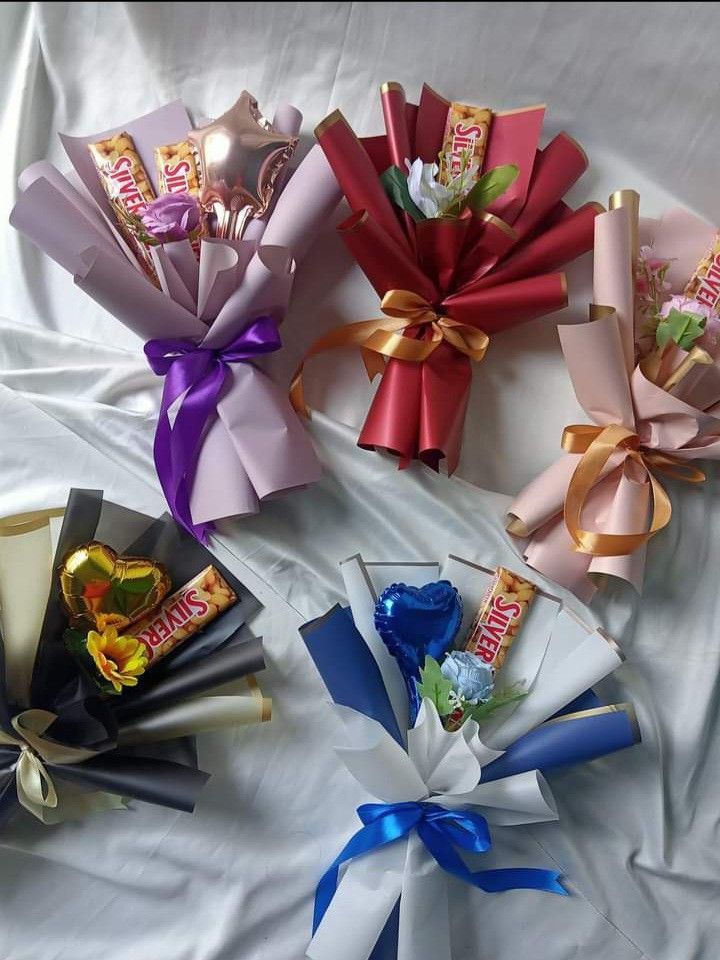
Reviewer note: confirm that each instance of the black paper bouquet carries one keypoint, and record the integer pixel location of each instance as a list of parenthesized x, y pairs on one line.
[(122, 637)]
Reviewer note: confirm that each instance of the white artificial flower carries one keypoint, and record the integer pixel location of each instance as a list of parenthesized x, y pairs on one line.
[(431, 197)]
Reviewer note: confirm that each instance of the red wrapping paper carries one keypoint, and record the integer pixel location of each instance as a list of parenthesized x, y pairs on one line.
[(559, 166), (430, 124), (430, 419), (392, 97), (498, 308), (395, 115), (514, 138), (549, 250), (439, 246), (384, 262), (356, 174), (489, 271), (492, 239)]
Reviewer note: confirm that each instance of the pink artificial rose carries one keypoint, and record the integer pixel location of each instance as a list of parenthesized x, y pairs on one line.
[(685, 305)]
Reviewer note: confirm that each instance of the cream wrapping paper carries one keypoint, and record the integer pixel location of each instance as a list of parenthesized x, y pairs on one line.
[(26, 552)]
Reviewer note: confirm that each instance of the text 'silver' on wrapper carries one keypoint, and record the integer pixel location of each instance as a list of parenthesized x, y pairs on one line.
[(184, 613), (128, 188), (177, 171), (499, 617), (177, 168), (704, 285), (466, 135)]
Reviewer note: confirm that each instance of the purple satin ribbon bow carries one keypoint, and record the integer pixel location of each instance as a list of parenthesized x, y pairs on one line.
[(199, 373)]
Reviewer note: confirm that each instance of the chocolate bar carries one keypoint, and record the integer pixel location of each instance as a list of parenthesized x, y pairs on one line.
[(177, 168), (464, 143), (177, 171), (499, 617), (704, 285), (183, 613), (128, 189)]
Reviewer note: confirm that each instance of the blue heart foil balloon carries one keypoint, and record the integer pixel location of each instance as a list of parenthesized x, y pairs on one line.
[(415, 622)]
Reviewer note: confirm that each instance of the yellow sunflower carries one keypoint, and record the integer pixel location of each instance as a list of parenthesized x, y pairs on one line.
[(121, 660)]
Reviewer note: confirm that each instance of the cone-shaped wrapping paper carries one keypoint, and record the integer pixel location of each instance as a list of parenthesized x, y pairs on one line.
[(392, 899), (248, 445), (56, 727), (666, 422), (488, 270)]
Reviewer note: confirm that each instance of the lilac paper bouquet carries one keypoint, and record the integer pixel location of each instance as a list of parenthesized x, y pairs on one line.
[(203, 276)]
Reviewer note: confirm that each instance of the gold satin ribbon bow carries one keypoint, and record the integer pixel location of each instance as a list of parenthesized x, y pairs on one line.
[(597, 445), (382, 338), (35, 788)]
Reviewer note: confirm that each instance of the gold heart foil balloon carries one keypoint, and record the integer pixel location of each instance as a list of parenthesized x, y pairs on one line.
[(98, 587), (241, 156)]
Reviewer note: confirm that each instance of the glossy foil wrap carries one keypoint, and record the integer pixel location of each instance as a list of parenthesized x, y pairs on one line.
[(241, 156), (102, 589), (418, 622), (489, 271)]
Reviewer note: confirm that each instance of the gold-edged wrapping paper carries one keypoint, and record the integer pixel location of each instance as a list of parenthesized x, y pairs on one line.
[(26, 559)]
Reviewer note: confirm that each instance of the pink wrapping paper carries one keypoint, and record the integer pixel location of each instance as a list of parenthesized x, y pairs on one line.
[(256, 447), (612, 390)]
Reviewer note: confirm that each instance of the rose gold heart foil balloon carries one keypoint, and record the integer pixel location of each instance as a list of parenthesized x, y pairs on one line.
[(240, 159)]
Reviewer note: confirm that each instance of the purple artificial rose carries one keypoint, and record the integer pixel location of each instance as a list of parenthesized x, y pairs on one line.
[(171, 217)]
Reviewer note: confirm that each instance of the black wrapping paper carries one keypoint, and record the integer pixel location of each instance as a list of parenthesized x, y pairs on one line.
[(163, 773)]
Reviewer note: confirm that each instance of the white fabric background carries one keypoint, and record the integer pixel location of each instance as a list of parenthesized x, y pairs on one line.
[(636, 83)]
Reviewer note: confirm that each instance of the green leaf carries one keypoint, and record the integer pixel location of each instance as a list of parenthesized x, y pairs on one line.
[(499, 699), (683, 328), (395, 183), (435, 687), (490, 186)]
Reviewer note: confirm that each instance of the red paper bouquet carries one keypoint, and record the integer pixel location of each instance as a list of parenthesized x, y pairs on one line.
[(449, 273)]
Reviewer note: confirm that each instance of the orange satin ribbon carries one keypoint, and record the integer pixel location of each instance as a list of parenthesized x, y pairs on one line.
[(382, 338), (597, 445)]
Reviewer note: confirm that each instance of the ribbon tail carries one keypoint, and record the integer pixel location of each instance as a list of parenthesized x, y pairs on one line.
[(35, 788), (176, 493), (491, 881), (175, 447), (349, 335), (519, 878), (297, 392), (374, 362)]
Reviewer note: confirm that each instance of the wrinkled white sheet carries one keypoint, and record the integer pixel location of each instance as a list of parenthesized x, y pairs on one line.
[(638, 835)]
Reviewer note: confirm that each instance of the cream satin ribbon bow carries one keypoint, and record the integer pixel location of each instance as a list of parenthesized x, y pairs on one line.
[(382, 338), (35, 788)]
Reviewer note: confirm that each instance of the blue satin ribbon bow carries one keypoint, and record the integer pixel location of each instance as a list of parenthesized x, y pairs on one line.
[(198, 373), (441, 831)]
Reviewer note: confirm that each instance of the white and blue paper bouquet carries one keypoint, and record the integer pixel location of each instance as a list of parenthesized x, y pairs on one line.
[(455, 689)]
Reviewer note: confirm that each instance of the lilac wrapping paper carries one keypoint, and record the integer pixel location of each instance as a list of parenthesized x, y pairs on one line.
[(254, 446)]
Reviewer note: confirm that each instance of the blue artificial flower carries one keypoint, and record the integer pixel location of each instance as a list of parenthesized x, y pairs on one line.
[(472, 679)]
